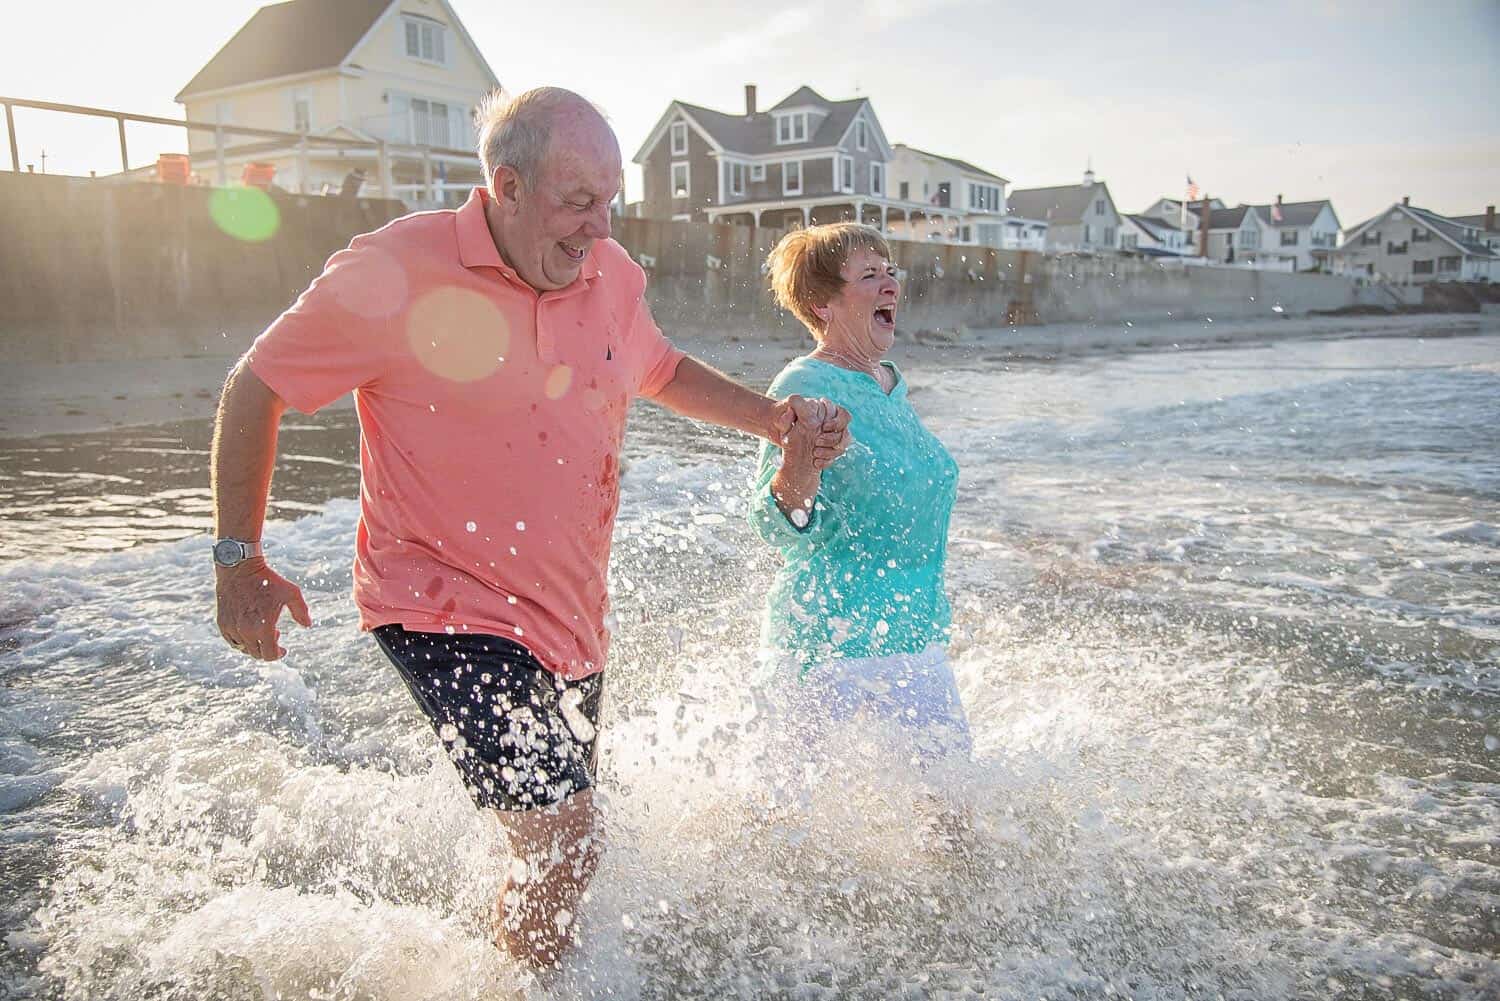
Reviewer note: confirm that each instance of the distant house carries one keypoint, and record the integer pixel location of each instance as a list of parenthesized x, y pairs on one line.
[(1149, 236), (806, 160), (947, 182), (1413, 245), (1489, 229), (1080, 217), (1179, 212), (1302, 234), (1235, 235), (400, 71)]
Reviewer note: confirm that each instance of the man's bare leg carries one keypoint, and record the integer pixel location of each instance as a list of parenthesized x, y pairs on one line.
[(554, 852)]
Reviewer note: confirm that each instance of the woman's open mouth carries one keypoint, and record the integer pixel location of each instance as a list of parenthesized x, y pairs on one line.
[(885, 316)]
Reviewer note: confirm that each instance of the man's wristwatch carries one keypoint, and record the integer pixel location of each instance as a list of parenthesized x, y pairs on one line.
[(233, 552)]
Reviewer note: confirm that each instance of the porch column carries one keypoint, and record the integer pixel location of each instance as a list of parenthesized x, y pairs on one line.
[(885, 226), (806, 216)]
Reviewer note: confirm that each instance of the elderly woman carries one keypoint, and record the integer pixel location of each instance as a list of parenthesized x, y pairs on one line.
[(857, 609)]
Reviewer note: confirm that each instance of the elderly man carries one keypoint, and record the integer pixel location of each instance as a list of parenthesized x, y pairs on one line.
[(493, 352)]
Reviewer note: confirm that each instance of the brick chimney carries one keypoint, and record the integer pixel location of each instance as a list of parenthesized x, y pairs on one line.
[(1489, 218), (1278, 199), (1406, 199), (749, 99)]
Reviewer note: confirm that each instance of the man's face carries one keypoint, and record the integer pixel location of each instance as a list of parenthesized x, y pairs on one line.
[(556, 220)]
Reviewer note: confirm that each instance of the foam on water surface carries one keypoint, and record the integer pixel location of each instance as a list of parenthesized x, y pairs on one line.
[(1233, 709)]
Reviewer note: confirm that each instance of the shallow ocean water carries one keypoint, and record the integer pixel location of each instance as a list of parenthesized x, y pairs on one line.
[(1227, 629)]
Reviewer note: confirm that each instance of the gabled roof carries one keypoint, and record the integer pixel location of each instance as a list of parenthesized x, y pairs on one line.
[(1158, 228), (299, 36), (962, 165), (1228, 218), (1296, 213), (803, 96), (1450, 229), (1065, 203), (755, 135), (1477, 221)]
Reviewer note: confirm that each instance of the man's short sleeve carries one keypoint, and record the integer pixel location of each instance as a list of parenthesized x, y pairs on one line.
[(331, 340), (656, 358)]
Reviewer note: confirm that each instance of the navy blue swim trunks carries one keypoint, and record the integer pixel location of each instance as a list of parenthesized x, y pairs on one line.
[(521, 736)]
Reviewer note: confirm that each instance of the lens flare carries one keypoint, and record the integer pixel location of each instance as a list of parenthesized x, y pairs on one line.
[(558, 381), (247, 214), (457, 334)]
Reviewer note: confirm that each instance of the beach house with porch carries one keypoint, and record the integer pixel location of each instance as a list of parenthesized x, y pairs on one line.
[(804, 160), (1301, 235), (946, 182), (402, 75)]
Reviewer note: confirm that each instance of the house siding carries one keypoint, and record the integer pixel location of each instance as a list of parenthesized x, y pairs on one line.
[(703, 178), (361, 100), (1395, 227)]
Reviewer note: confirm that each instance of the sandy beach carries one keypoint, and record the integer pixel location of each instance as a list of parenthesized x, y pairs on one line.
[(38, 399)]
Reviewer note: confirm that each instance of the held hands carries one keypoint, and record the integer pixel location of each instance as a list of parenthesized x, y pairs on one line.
[(811, 432), (251, 596)]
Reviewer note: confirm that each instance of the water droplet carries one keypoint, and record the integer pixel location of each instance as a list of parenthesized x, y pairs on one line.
[(448, 733), (520, 526), (471, 527)]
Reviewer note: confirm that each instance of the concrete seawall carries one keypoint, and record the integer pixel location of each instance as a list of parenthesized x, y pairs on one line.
[(706, 276), (91, 270)]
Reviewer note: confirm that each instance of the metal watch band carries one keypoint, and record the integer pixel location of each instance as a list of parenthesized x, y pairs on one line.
[(232, 552)]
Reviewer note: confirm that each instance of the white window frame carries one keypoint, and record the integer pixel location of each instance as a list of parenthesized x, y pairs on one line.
[(786, 187), (861, 134), (845, 178), (757, 172), (437, 37), (687, 180), (453, 115), (679, 129), (877, 178), (736, 171), (791, 128)]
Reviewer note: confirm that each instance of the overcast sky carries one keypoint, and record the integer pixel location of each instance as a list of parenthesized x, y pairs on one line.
[(1361, 101)]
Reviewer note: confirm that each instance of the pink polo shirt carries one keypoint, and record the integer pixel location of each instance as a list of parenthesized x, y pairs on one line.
[(491, 419)]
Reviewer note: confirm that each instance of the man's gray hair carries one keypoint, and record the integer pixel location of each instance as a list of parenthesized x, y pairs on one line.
[(516, 131)]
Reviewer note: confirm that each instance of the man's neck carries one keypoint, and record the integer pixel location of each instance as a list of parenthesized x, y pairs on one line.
[(496, 226)]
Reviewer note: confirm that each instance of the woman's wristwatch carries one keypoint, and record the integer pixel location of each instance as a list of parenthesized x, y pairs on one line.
[(233, 552)]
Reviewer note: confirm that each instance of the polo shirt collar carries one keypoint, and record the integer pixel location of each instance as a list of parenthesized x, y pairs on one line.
[(476, 247)]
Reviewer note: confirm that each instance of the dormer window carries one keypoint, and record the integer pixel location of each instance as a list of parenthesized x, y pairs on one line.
[(791, 128), (861, 135), (679, 139), (425, 39)]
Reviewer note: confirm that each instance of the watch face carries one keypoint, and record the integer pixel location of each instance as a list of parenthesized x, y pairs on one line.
[(227, 552)]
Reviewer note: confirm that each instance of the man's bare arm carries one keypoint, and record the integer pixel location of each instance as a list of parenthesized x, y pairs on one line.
[(250, 595), (706, 394)]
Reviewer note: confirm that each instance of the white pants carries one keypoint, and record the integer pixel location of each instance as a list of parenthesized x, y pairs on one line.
[(916, 691)]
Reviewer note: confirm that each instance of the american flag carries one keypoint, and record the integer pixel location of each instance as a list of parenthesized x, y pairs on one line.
[(1192, 189)]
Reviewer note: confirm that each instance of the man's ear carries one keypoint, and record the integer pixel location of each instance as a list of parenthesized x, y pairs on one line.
[(506, 187)]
